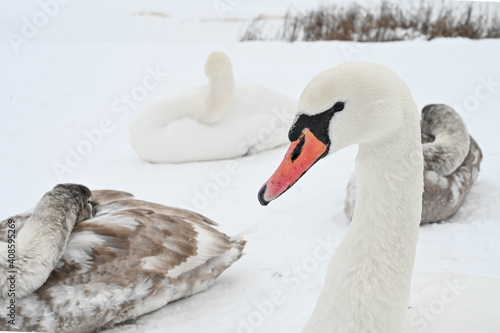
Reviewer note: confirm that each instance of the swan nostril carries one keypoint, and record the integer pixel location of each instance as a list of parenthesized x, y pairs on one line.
[(298, 149)]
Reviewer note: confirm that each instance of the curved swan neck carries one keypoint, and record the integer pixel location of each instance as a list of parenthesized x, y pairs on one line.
[(40, 244), (368, 280), (220, 92), (390, 182)]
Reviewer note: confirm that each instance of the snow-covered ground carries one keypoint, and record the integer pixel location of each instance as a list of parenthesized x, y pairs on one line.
[(69, 92)]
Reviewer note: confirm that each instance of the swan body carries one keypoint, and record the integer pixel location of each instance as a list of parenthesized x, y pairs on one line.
[(452, 161), (367, 287), (218, 121), (129, 258)]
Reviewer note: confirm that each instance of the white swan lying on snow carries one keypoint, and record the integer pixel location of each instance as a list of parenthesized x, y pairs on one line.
[(451, 164), (82, 267), (367, 286), (218, 121)]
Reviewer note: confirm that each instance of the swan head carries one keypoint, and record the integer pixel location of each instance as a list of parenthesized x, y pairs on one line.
[(76, 198), (442, 118), (352, 103), (217, 63)]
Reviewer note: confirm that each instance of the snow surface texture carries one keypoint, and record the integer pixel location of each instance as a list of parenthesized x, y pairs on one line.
[(70, 93)]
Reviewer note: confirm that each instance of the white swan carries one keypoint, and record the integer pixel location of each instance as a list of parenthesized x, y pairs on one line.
[(78, 271), (218, 121), (452, 159), (367, 286)]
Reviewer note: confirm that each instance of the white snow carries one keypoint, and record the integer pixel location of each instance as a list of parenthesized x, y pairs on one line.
[(66, 104)]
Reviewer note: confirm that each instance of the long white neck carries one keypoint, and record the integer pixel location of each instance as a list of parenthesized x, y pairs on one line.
[(38, 247), (220, 92), (368, 281)]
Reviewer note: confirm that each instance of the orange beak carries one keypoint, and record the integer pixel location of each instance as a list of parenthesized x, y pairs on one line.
[(301, 155)]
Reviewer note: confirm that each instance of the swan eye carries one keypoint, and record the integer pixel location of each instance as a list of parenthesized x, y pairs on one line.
[(339, 106)]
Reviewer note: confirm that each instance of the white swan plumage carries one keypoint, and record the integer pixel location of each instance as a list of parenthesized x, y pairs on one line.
[(367, 287), (89, 260), (452, 160), (216, 121)]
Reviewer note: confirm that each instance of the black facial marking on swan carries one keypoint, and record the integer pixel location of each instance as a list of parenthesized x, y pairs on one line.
[(318, 124)]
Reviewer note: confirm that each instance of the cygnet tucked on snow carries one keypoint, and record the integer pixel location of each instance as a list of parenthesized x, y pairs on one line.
[(451, 164), (215, 121), (88, 260)]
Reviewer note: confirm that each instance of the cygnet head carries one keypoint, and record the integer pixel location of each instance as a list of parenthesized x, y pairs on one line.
[(72, 198), (349, 104), (439, 118), (218, 63)]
